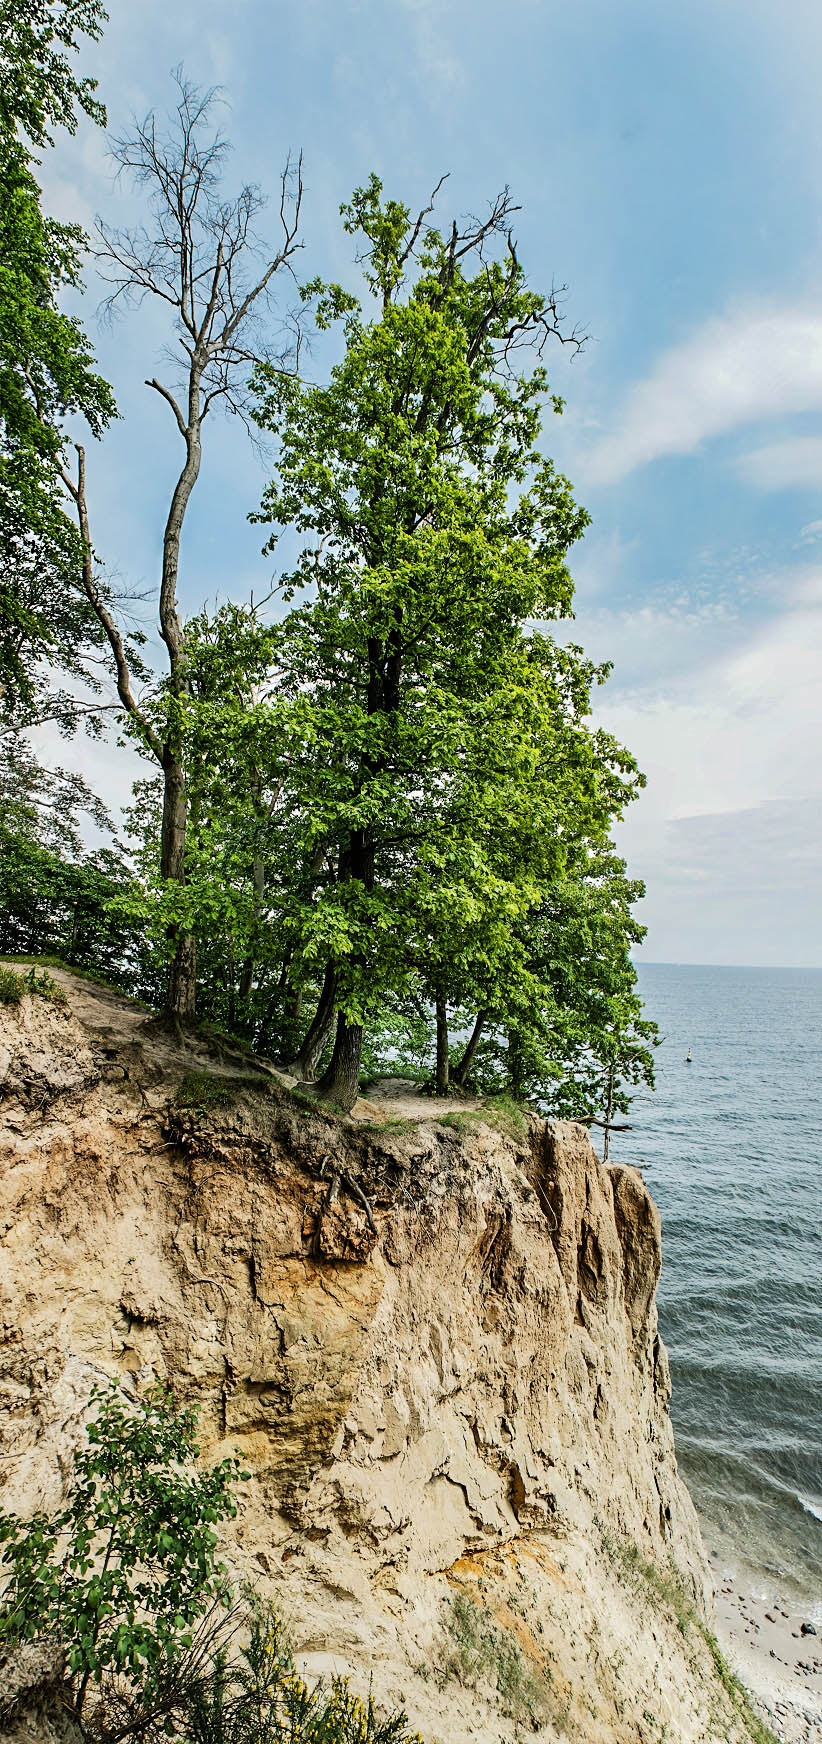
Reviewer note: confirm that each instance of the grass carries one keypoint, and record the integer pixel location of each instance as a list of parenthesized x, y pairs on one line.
[(666, 1586), (202, 1091), (394, 1124), (13, 987), (501, 1111), (478, 1648), (50, 961), (507, 1113)]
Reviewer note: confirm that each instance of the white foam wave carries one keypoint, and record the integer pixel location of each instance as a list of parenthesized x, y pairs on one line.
[(814, 1508)]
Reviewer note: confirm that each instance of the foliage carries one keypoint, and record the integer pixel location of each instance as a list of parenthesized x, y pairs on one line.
[(39, 89), (438, 745), (12, 987), (123, 1570), (46, 363), (256, 1696), (125, 1576), (57, 898)]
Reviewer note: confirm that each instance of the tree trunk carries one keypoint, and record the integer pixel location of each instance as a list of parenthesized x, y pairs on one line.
[(181, 984), (181, 987), (609, 1114), (304, 1064), (442, 1047), (463, 1067), (182, 979), (340, 1082)]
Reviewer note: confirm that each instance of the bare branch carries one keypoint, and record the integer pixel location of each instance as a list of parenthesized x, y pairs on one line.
[(181, 423), (101, 610), (421, 216)]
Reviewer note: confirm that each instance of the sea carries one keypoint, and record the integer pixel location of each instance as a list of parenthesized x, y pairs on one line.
[(731, 1148)]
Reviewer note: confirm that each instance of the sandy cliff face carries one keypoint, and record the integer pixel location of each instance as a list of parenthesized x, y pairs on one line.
[(434, 1344)]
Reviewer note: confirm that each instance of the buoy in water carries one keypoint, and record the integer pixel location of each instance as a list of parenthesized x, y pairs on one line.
[(688, 1060)]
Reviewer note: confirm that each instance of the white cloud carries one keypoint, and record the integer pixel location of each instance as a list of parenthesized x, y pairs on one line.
[(793, 462), (738, 368), (727, 832)]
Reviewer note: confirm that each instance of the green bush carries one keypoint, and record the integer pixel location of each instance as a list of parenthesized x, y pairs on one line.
[(12, 987), (123, 1571), (255, 1695)]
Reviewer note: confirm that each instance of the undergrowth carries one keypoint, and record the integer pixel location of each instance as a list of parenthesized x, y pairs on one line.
[(202, 1091), (50, 961), (14, 986)]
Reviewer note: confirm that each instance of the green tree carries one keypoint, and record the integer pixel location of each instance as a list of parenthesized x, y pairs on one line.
[(441, 745), (124, 1569), (46, 363)]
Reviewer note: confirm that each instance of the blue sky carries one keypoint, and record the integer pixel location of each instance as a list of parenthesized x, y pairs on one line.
[(667, 158)]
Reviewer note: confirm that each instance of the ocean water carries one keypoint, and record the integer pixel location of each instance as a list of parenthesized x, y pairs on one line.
[(731, 1148)]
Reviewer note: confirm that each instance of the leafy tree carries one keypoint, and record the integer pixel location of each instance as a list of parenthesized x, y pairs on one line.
[(57, 896), (46, 363), (124, 1569), (440, 745)]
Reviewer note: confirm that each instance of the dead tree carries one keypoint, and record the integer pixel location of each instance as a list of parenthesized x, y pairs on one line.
[(198, 254)]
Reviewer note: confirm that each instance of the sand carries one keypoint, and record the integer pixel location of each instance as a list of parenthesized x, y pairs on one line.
[(761, 1637)]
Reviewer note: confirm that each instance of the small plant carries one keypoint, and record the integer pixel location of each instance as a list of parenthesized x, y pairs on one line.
[(121, 1573), (203, 1091), (12, 987), (479, 1648), (45, 986)]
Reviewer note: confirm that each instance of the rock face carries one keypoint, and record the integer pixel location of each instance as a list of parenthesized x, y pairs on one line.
[(434, 1343)]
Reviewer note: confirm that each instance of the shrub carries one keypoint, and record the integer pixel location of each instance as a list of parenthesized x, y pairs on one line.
[(256, 1695), (12, 987), (122, 1572)]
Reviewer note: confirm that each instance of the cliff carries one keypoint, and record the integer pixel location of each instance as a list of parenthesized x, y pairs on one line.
[(432, 1336)]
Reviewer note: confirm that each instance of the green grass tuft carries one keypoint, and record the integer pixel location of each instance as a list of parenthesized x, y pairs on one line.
[(203, 1091), (14, 986)]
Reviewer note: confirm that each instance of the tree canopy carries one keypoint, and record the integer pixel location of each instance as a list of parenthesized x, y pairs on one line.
[(378, 822)]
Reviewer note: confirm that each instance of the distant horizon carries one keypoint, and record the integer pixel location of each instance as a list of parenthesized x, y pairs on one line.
[(767, 968)]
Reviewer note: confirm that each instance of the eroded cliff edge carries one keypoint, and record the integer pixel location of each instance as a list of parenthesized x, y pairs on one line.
[(433, 1340)]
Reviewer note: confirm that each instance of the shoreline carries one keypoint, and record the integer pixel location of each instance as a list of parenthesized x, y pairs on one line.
[(760, 1633)]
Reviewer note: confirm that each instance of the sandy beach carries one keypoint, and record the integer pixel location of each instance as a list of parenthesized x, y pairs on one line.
[(762, 1638)]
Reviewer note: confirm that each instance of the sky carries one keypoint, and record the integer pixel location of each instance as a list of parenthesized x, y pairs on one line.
[(667, 159)]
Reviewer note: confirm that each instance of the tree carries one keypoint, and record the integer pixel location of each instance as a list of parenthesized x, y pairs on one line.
[(46, 365), (443, 743), (197, 254)]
